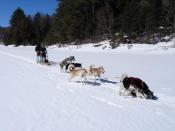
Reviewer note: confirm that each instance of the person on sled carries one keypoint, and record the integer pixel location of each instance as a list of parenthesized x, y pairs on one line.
[(38, 53), (44, 54)]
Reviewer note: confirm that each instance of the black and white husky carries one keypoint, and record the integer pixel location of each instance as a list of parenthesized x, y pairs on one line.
[(66, 61), (134, 87)]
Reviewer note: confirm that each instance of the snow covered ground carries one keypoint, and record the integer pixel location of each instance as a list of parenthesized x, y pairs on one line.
[(35, 97)]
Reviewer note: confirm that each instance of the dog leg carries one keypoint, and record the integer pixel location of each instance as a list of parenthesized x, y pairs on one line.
[(37, 59), (142, 95), (98, 77), (121, 89), (89, 77), (95, 79), (125, 92), (83, 76), (85, 79), (40, 59), (70, 78), (61, 69), (139, 94), (122, 92), (81, 80)]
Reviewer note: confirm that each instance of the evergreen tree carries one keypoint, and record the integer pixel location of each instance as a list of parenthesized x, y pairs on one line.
[(45, 26), (1, 33), (18, 27), (7, 39), (41, 26), (37, 28), (154, 17), (30, 30), (169, 13), (50, 36)]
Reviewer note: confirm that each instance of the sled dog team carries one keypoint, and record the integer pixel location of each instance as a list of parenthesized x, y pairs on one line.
[(76, 69), (129, 86)]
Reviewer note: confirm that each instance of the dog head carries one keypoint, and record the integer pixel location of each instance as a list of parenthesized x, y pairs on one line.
[(123, 76), (72, 58)]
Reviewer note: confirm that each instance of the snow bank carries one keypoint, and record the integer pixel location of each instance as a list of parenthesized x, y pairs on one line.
[(104, 46)]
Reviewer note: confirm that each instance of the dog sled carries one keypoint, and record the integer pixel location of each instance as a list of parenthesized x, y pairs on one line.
[(49, 63)]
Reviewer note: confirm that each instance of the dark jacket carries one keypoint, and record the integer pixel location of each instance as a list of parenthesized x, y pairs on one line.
[(38, 48)]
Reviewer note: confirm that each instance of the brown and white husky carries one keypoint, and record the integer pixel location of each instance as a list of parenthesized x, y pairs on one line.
[(96, 71), (78, 72)]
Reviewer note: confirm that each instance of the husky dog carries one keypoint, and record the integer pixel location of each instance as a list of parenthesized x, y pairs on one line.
[(78, 72), (96, 71), (135, 87), (66, 61)]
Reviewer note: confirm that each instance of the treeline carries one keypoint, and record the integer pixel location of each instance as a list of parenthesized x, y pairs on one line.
[(27, 30), (93, 20), (80, 20), (1, 33)]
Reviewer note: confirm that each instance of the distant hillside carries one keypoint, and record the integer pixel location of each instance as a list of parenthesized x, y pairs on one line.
[(84, 21)]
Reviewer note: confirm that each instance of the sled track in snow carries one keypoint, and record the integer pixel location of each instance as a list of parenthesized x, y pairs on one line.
[(22, 59), (53, 74)]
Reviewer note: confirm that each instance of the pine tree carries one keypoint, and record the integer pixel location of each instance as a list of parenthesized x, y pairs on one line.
[(169, 12), (37, 28), (18, 27), (7, 39), (30, 30), (42, 25), (1, 33), (154, 16)]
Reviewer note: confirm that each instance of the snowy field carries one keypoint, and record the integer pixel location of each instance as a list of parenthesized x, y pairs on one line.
[(37, 97)]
